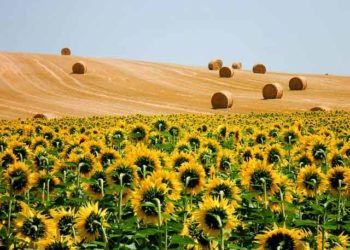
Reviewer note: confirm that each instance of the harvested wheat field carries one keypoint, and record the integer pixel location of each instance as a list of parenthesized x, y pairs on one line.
[(33, 83)]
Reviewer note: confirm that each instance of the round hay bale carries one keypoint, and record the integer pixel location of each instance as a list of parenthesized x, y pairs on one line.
[(79, 68), (259, 69), (272, 91), (237, 65), (320, 108), (215, 64), (65, 52), (39, 116), (222, 100), (298, 83), (226, 72)]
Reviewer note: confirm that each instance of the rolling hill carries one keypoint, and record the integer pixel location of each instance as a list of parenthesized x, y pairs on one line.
[(37, 83)]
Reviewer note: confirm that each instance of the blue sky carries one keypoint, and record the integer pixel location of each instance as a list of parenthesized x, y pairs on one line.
[(310, 36)]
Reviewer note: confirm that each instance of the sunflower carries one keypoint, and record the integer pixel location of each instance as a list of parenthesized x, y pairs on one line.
[(221, 131), (285, 194), (34, 228), (160, 125), (39, 142), (90, 221), (319, 149), (274, 154), (311, 180), (214, 214), (93, 147), (224, 160), (145, 160), (336, 158), (64, 220), (122, 173), (190, 229), (174, 131), (97, 184), (206, 158), (212, 145), (192, 177), (19, 178), (280, 238), (148, 198), (138, 132), (20, 150), (247, 154), (85, 163), (224, 189), (305, 159), (346, 149), (179, 158), (172, 182), (60, 244), (256, 175), (259, 154), (260, 137), (108, 156), (118, 136), (291, 136), (338, 178), (183, 146), (333, 242), (42, 159), (7, 158), (193, 139)]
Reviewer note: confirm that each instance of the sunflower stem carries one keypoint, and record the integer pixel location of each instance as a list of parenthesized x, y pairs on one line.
[(28, 198), (78, 176), (64, 176), (48, 189), (339, 204), (166, 235), (159, 212), (105, 239), (120, 205), (74, 235), (43, 192), (282, 205), (101, 186), (222, 247), (265, 192), (9, 215)]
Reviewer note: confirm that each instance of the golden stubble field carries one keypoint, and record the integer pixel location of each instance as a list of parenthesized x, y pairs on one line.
[(33, 83)]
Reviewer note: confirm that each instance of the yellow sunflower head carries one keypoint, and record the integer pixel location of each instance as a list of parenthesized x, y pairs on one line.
[(7, 158), (97, 184), (224, 189), (122, 173), (34, 228), (280, 238), (225, 160), (146, 161), (19, 178), (64, 220), (179, 158), (149, 199), (192, 177), (339, 180), (257, 175), (214, 214), (172, 182), (311, 181), (89, 221)]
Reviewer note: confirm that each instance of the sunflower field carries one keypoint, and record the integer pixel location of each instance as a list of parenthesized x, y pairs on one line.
[(255, 181)]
